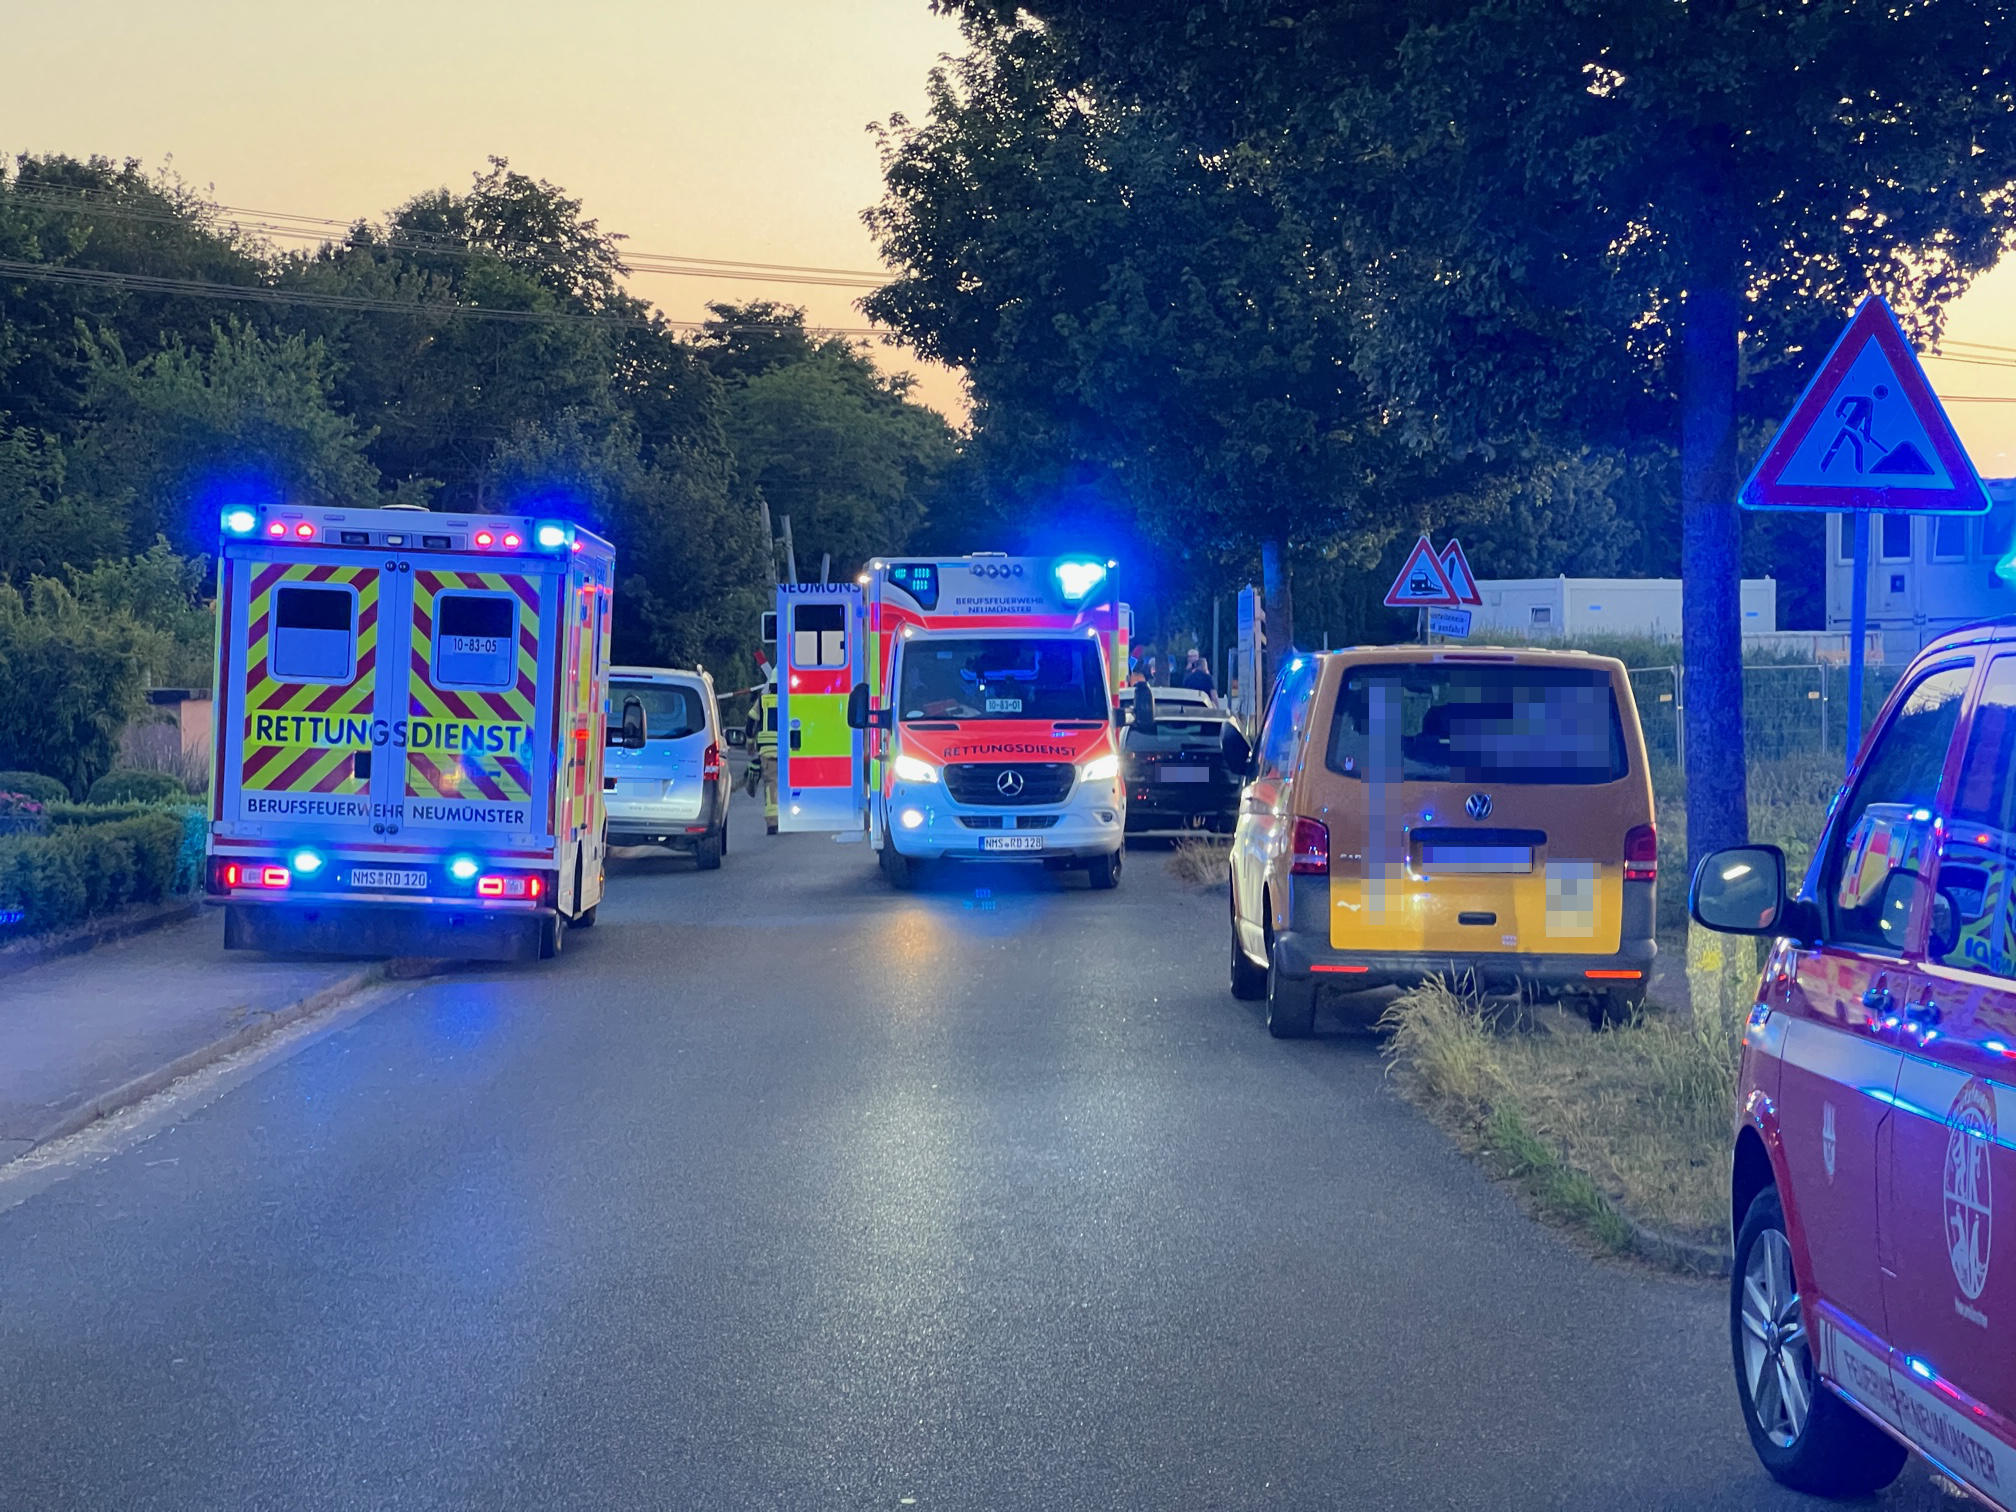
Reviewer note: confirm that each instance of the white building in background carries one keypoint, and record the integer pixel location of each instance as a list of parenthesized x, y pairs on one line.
[(1545, 608), (1927, 573)]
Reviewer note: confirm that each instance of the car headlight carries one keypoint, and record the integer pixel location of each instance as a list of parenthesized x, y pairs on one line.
[(1099, 768), (909, 769)]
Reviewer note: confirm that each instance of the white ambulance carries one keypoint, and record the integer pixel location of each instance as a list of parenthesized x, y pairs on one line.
[(409, 731), (982, 702)]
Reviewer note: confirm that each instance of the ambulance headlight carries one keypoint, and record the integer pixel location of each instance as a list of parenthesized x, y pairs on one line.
[(464, 868), (1078, 579), (1100, 768), (306, 862), (909, 769), (240, 521), (551, 537)]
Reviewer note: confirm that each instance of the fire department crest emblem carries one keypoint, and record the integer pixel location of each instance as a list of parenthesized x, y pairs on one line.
[(1827, 1138), (1969, 1187)]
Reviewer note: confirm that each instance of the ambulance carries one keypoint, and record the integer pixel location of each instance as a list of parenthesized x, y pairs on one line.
[(958, 709), (410, 729)]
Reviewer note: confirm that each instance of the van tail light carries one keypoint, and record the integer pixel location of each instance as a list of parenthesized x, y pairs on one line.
[(1641, 854), (710, 764), (1312, 849)]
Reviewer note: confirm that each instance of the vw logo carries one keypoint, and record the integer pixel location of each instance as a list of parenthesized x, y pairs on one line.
[(1010, 783), (1478, 805)]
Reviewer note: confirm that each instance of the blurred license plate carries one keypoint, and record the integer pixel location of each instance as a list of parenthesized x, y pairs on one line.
[(1011, 842), (365, 876), (1186, 774)]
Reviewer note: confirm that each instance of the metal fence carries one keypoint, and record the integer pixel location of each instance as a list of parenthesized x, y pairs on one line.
[(1789, 709)]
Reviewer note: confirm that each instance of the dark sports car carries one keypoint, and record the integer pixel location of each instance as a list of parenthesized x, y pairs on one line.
[(1175, 771)]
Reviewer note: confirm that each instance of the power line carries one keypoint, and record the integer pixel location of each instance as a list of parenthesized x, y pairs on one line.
[(263, 294), (329, 229)]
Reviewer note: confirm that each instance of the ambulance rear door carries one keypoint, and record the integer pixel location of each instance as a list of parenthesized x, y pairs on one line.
[(301, 657), (475, 757), (820, 645)]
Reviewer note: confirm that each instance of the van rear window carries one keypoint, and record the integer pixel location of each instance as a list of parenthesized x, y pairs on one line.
[(1454, 723)]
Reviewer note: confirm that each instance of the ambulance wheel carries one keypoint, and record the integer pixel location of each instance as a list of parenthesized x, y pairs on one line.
[(724, 837), (1104, 872), (552, 936), (1291, 1005), (1249, 982), (1807, 1437), (707, 854), (897, 867), (585, 919)]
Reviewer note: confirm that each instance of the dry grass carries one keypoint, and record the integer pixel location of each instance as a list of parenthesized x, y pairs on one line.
[(1201, 860), (1634, 1121)]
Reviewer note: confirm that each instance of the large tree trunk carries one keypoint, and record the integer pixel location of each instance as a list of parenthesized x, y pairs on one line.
[(1278, 603), (1711, 565)]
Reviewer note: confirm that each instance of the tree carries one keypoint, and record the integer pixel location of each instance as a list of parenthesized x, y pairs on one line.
[(70, 679), (1123, 301), (1673, 203), (185, 431)]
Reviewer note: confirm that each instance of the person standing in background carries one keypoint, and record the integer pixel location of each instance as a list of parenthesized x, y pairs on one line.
[(1197, 674)]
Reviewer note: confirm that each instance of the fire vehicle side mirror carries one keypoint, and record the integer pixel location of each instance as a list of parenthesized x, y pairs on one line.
[(1144, 708), (1741, 890), (1237, 750), (630, 734)]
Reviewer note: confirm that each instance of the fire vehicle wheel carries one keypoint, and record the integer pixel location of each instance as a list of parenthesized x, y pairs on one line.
[(1249, 982), (1806, 1436), (1291, 1005), (1104, 872)]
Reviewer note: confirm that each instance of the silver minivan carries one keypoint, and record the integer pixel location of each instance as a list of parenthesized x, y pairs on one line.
[(673, 792)]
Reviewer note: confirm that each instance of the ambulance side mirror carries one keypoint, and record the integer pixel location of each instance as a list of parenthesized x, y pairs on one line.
[(1144, 708), (630, 734), (857, 707)]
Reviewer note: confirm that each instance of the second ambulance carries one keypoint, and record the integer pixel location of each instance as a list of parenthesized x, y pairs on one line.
[(961, 708)]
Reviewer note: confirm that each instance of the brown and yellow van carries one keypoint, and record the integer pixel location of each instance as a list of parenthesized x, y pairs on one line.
[(1471, 812)]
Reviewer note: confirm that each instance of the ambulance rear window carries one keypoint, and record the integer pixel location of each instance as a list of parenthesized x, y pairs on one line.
[(314, 634), (476, 640)]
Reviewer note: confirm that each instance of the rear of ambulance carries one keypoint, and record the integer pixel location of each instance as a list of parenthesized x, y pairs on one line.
[(386, 746)]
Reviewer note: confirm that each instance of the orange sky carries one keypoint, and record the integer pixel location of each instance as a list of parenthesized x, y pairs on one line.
[(709, 128)]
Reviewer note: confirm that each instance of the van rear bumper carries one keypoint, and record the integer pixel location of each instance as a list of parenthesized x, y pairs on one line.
[(1307, 954)]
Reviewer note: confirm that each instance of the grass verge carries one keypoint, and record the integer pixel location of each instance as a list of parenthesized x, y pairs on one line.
[(1604, 1132), (1201, 859)]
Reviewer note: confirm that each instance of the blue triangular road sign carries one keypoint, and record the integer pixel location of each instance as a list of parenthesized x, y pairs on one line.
[(1868, 433)]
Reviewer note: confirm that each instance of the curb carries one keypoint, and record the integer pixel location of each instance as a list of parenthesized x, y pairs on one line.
[(254, 1029), (1676, 1253), (90, 936)]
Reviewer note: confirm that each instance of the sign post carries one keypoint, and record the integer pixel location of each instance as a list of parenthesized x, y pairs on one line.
[(1868, 435)]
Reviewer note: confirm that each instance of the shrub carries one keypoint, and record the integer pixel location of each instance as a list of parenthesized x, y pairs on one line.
[(35, 785), (70, 679), (77, 870), (193, 823), (130, 785)]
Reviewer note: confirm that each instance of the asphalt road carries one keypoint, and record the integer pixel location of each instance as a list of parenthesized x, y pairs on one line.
[(781, 1190)]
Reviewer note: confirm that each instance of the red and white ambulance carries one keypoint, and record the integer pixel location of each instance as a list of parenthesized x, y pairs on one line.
[(1873, 1304), (409, 731), (987, 688)]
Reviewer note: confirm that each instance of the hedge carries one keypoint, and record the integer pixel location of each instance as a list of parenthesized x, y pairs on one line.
[(35, 785), (131, 785), (95, 859)]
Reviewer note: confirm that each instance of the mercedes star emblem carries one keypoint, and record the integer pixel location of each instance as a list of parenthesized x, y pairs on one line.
[(1010, 783)]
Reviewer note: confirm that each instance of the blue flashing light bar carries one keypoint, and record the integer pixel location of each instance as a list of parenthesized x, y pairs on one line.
[(240, 521), (1078, 578)]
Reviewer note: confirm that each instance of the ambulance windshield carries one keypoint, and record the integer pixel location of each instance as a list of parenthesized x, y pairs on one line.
[(1004, 678)]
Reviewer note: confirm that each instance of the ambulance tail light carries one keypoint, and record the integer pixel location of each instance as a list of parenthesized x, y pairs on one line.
[(1641, 853), (509, 885), (229, 876), (1312, 849), (710, 764)]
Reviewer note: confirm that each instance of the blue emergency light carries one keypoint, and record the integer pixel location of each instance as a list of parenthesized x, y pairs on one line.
[(240, 521), (551, 536), (464, 868), (1078, 579)]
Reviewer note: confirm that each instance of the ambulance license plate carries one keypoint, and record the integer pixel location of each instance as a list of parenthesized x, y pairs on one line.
[(1011, 842), (368, 876)]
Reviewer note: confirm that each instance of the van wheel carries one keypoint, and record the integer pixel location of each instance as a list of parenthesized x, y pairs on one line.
[(1612, 1010), (584, 919), (1291, 1005), (1806, 1436), (1104, 872), (707, 854), (1249, 982)]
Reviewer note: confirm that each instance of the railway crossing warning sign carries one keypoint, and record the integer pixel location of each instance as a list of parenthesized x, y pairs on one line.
[(1423, 583)]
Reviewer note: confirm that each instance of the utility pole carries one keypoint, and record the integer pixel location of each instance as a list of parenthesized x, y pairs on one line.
[(769, 541), (825, 568), (790, 555)]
